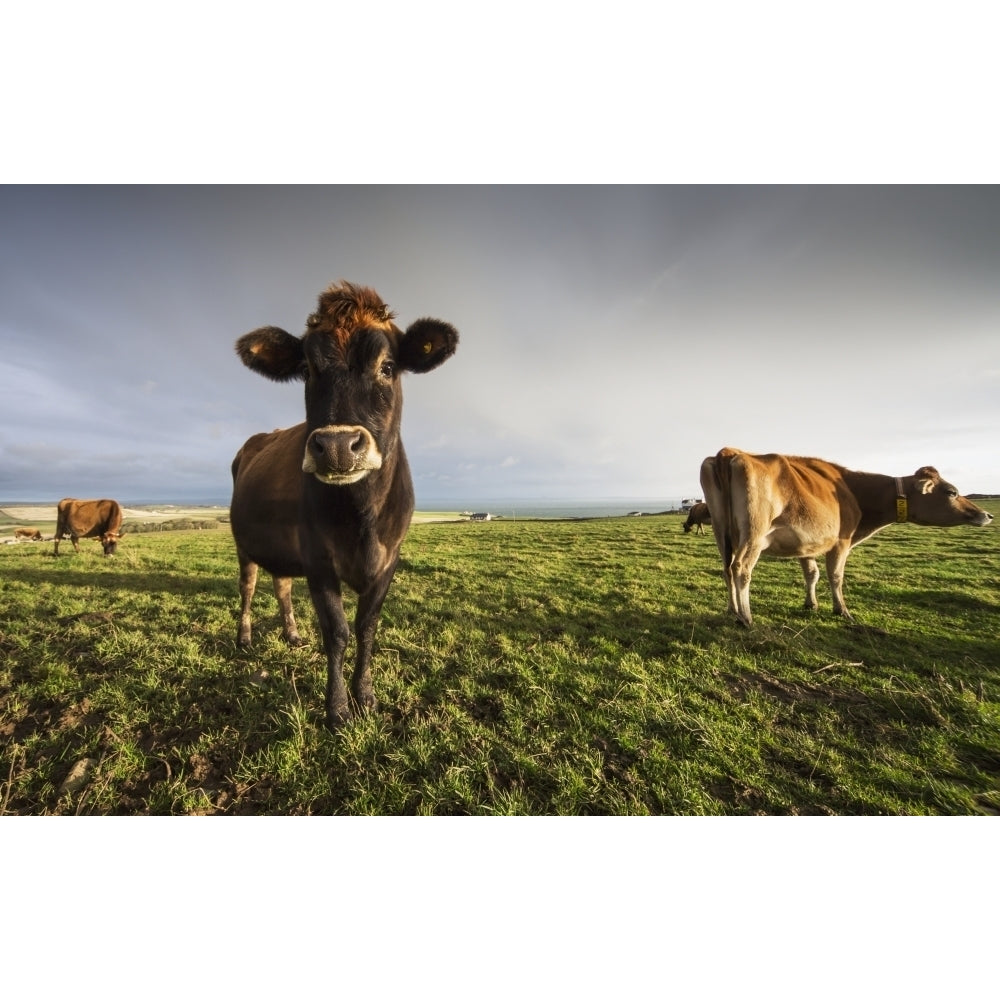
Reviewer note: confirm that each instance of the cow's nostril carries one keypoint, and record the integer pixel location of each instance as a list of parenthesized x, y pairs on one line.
[(358, 444)]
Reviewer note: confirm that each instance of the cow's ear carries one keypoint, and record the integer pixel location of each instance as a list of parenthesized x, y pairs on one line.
[(926, 478), (272, 352), (426, 344)]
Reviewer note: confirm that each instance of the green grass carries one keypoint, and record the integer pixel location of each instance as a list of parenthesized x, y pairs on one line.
[(522, 668)]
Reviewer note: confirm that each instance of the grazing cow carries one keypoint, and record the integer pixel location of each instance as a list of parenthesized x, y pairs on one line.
[(89, 519), (30, 534), (698, 516), (803, 508), (331, 499)]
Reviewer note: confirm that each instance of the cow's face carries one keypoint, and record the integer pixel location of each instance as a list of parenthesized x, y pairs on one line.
[(109, 541), (938, 503), (350, 358)]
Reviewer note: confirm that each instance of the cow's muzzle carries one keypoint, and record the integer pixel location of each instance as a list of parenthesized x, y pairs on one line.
[(339, 455)]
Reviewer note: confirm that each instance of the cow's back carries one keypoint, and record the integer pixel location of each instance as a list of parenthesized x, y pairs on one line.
[(267, 492)]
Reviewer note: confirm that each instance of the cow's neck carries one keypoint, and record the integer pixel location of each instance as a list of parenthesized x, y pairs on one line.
[(902, 507), (877, 496)]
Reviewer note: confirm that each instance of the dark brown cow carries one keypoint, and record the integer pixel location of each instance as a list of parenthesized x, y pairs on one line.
[(31, 534), (698, 516), (89, 519), (331, 499), (803, 508)]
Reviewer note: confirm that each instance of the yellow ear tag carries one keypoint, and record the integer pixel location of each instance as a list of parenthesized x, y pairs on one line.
[(428, 347), (901, 511)]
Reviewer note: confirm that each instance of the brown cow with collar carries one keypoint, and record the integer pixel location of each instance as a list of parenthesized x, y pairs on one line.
[(803, 508), (331, 499), (100, 519)]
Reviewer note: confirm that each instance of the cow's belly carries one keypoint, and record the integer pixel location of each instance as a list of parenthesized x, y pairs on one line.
[(274, 548), (785, 542), (266, 528), (264, 513), (84, 530)]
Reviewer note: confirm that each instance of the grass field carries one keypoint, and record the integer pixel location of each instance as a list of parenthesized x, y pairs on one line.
[(524, 667)]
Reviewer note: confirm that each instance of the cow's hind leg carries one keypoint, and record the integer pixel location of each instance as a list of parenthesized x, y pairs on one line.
[(725, 546), (810, 573), (248, 584), (740, 572), (283, 593)]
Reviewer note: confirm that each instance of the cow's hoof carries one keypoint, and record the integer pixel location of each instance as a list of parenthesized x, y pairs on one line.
[(336, 719), (365, 701), (295, 640)]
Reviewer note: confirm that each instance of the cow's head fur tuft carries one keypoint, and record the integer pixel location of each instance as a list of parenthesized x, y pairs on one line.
[(346, 306)]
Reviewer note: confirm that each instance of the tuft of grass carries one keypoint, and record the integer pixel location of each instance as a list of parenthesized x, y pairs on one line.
[(522, 668)]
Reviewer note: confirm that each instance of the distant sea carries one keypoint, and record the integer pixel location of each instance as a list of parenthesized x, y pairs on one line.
[(534, 507)]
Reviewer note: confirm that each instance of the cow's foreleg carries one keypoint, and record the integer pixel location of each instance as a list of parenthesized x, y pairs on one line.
[(835, 560), (810, 572), (365, 626), (283, 593), (336, 634), (248, 584)]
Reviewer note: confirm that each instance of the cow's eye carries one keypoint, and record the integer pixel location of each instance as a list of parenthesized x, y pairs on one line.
[(387, 370)]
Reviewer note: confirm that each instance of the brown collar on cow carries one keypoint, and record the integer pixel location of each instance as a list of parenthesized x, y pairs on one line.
[(902, 511)]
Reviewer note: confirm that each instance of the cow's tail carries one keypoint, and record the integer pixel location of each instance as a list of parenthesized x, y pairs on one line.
[(722, 474)]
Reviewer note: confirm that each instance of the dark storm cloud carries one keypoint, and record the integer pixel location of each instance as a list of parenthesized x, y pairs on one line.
[(611, 336)]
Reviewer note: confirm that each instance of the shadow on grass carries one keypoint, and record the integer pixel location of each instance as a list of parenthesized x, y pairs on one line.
[(139, 581), (874, 731)]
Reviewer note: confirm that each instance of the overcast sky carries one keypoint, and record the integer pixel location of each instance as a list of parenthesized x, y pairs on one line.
[(611, 337)]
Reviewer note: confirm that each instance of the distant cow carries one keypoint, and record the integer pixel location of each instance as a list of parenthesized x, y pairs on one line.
[(29, 534), (331, 499), (803, 508), (89, 519), (697, 517)]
